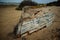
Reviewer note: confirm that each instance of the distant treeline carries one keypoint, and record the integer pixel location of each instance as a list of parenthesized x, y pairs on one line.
[(27, 3), (31, 3), (9, 3), (56, 3)]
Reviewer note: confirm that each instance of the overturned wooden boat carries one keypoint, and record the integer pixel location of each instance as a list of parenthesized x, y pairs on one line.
[(34, 19)]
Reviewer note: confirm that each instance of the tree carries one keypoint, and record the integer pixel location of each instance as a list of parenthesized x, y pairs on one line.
[(27, 3), (58, 0), (55, 3), (27, 0)]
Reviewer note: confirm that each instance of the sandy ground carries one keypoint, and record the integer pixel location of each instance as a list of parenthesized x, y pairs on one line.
[(9, 17)]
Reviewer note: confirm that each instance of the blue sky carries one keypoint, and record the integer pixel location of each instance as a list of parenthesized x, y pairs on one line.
[(18, 1)]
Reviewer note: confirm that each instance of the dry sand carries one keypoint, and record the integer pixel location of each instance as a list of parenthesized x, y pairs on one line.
[(9, 17)]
